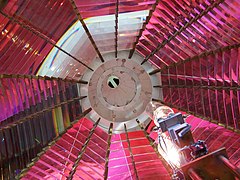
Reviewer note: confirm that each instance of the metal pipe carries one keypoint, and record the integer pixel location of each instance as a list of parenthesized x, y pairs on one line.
[(230, 166), (116, 28), (108, 150), (79, 157), (130, 151)]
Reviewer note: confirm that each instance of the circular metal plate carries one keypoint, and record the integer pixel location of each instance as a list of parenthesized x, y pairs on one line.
[(120, 91), (125, 101)]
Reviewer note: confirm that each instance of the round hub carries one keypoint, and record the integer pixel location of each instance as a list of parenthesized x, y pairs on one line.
[(119, 90)]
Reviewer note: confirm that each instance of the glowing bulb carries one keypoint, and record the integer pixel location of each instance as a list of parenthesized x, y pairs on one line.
[(169, 151), (173, 156), (161, 112)]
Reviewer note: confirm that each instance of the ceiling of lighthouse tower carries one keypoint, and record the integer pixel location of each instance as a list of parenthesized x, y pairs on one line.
[(108, 63)]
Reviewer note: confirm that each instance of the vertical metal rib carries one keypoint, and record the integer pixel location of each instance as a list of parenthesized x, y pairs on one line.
[(235, 88), (191, 21), (202, 55), (116, 28), (108, 150), (130, 151), (164, 162), (143, 28), (20, 121), (44, 37), (86, 29), (28, 76), (79, 157), (24, 171)]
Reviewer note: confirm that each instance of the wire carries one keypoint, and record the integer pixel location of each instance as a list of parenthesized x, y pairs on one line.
[(161, 139)]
